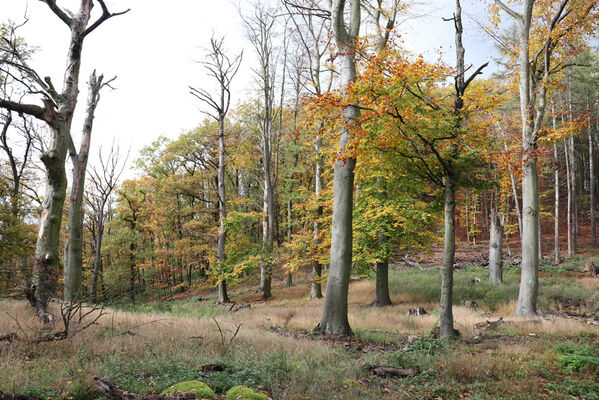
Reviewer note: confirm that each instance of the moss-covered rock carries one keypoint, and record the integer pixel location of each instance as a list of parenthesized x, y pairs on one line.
[(244, 393), (199, 388)]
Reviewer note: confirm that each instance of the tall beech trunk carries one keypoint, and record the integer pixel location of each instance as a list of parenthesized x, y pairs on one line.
[(315, 286), (540, 228), (446, 302), (334, 315), (592, 185), (556, 252), (575, 226), (527, 295), (73, 265), (496, 248), (569, 200)]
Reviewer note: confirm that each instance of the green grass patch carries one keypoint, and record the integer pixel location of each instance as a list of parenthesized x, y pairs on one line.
[(577, 357)]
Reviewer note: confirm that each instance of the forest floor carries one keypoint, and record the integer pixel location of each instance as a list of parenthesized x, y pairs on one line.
[(151, 345)]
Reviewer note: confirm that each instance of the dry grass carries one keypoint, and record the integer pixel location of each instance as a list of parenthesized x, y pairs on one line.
[(124, 342), (589, 283)]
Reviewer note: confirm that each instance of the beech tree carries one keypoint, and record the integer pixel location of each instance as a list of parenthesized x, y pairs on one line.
[(313, 28), (223, 69), (260, 30), (57, 111), (334, 315), (566, 20)]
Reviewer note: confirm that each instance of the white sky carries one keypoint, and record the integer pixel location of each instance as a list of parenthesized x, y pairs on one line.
[(154, 47)]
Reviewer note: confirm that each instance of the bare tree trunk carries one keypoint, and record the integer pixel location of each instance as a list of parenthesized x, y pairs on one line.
[(496, 248), (467, 221), (556, 252), (315, 287), (382, 297), (569, 205), (223, 69), (592, 186), (540, 228), (446, 302), (529, 281), (58, 113), (97, 266), (575, 226), (74, 249), (334, 315), (223, 298)]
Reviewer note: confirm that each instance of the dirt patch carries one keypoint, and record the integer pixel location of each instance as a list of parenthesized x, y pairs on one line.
[(356, 347)]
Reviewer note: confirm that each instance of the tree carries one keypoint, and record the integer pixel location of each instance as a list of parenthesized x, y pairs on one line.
[(223, 69), (57, 112), (496, 248), (73, 260), (563, 21), (260, 30), (313, 29), (334, 315), (103, 180)]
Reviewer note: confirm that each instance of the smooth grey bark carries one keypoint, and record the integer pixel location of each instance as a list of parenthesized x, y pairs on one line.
[(556, 249), (575, 226), (569, 200), (446, 301), (314, 35), (315, 286), (73, 265), (260, 32), (532, 108), (571, 154), (529, 285), (223, 69), (334, 315), (592, 185), (540, 243), (496, 248)]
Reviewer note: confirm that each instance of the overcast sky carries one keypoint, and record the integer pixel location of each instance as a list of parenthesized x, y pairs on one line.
[(154, 51)]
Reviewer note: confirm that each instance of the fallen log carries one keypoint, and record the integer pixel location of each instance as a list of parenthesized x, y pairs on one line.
[(387, 372), (114, 392)]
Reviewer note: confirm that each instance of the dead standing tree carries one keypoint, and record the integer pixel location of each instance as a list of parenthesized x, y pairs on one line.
[(223, 69), (73, 260), (57, 111), (102, 180)]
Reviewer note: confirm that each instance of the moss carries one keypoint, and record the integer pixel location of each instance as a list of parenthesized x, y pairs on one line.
[(199, 388), (244, 393)]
